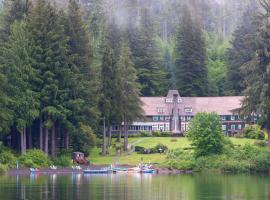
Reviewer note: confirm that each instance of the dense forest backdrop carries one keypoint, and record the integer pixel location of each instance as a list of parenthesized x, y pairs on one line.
[(68, 65)]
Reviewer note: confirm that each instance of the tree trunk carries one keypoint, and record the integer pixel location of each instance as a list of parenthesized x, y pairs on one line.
[(53, 146), (40, 134), (46, 148), (104, 139), (120, 133), (29, 138), (125, 136), (23, 140), (109, 135), (66, 139)]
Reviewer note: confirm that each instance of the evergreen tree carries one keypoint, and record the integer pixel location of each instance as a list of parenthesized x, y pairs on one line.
[(257, 73), (190, 64), (241, 52), (129, 98), (52, 65), (13, 10), (16, 58), (84, 86), (146, 57)]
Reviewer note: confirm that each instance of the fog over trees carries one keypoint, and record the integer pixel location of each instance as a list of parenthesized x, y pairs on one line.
[(68, 65)]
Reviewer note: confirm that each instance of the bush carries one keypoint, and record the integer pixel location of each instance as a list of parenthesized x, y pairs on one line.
[(63, 161), (3, 169), (254, 132), (161, 134), (7, 158), (84, 139), (160, 148), (36, 158), (139, 149), (260, 143), (206, 134), (146, 134)]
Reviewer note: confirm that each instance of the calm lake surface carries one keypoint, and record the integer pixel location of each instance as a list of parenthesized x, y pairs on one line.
[(135, 186)]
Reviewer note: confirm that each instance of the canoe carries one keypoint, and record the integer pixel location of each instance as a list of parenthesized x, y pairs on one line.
[(148, 171), (119, 169), (96, 171)]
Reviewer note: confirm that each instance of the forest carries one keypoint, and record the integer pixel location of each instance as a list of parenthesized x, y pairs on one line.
[(68, 67)]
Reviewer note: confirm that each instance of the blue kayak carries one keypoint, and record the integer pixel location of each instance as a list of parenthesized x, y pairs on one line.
[(148, 171), (96, 171)]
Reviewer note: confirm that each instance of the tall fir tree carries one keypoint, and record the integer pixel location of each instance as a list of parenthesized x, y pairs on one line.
[(242, 51), (257, 72), (190, 63), (52, 65), (129, 97), (16, 57), (83, 92), (14, 10), (146, 56)]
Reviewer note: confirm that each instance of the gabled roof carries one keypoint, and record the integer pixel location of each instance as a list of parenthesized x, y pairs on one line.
[(220, 105)]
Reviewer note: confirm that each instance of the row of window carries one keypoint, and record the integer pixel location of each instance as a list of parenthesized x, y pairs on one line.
[(232, 127)]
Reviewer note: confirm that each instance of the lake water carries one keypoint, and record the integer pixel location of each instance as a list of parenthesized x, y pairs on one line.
[(136, 186)]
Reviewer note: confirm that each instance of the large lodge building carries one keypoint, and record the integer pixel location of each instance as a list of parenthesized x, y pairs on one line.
[(173, 113)]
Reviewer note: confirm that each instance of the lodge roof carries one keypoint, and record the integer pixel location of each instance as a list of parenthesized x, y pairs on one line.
[(220, 105)]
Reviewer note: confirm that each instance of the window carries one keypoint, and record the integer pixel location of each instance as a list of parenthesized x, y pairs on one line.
[(239, 126), (188, 109), (232, 117), (183, 118), (224, 127), (161, 118), (155, 127), (161, 127), (155, 118), (167, 118), (188, 118), (168, 100), (233, 127), (160, 110), (223, 118)]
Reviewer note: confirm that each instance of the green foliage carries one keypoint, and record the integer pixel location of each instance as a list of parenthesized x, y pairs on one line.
[(190, 64), (34, 158), (206, 134), (3, 169), (63, 161), (7, 158), (254, 132), (84, 139)]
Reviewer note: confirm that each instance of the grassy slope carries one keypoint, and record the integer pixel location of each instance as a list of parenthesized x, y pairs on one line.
[(147, 142)]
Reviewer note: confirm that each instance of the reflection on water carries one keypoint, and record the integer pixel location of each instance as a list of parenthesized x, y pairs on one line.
[(135, 186)]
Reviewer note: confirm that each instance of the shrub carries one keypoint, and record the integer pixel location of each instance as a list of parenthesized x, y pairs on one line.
[(84, 139), (63, 161), (3, 169), (139, 149), (260, 143), (8, 158), (160, 148), (36, 158), (146, 134), (254, 132), (206, 134)]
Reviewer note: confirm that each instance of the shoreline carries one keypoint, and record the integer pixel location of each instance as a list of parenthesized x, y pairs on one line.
[(69, 170)]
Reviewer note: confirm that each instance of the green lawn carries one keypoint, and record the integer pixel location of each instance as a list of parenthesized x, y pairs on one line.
[(147, 142)]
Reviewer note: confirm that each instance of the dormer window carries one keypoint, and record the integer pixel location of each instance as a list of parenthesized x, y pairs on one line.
[(168, 100), (188, 109)]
